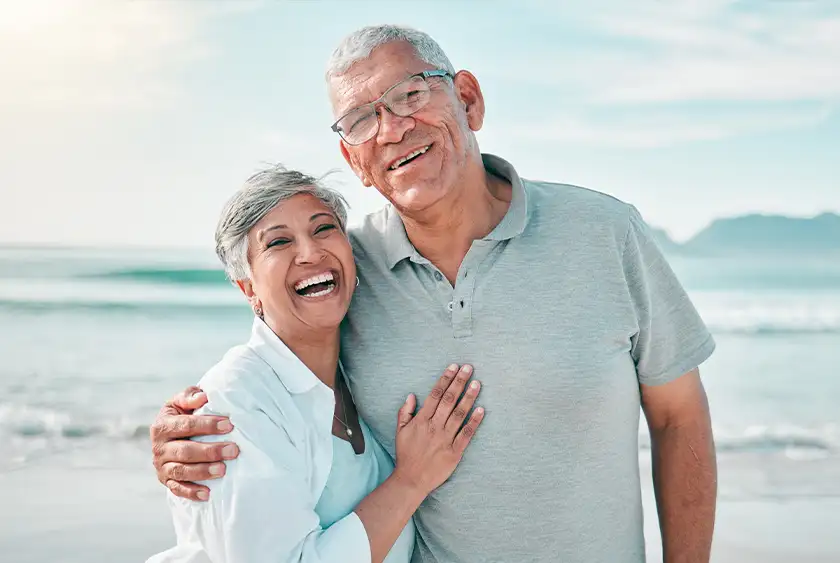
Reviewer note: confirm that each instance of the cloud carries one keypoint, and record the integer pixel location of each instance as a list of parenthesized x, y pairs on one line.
[(98, 53), (673, 72), (698, 51), (777, 55), (652, 129)]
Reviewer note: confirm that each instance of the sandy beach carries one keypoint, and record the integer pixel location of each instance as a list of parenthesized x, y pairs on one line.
[(74, 511)]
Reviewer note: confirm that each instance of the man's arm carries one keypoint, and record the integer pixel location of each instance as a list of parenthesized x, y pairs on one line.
[(179, 461), (684, 466)]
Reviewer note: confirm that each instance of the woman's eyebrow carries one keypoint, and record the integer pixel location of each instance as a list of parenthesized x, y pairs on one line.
[(265, 231)]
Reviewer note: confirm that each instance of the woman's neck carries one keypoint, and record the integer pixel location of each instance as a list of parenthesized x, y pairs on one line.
[(318, 350)]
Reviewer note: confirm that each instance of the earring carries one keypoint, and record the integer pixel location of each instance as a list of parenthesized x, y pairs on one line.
[(258, 311), (357, 281)]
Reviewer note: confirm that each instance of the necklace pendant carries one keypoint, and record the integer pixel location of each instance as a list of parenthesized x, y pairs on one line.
[(349, 433)]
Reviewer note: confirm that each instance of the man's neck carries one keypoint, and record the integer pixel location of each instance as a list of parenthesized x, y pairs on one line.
[(318, 350), (444, 233)]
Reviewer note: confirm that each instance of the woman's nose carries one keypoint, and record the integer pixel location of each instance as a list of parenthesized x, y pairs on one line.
[(309, 251)]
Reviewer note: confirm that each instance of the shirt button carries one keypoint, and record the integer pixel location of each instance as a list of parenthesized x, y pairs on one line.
[(449, 306), (438, 276)]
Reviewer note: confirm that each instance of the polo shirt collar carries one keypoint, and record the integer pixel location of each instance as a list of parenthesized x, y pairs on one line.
[(398, 247)]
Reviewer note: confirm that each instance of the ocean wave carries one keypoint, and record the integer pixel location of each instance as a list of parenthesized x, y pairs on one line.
[(796, 442), (101, 294), (28, 422), (770, 329), (768, 314), (165, 308), (189, 276)]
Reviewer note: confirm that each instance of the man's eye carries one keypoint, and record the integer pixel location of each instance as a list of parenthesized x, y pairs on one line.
[(359, 122)]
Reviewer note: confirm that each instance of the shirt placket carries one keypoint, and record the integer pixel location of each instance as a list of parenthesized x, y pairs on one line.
[(463, 295)]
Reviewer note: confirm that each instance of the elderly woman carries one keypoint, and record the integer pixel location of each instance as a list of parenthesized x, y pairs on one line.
[(311, 483)]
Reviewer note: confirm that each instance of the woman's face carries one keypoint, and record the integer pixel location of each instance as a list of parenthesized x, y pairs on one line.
[(302, 269)]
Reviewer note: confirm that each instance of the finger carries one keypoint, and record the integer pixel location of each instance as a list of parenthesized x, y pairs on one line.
[(462, 409), (406, 412), (187, 451), (189, 399), (160, 427), (462, 440), (437, 392), (450, 397), (189, 491), (183, 472), (172, 427)]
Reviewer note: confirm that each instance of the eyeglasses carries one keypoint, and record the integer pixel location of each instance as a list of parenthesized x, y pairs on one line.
[(404, 98)]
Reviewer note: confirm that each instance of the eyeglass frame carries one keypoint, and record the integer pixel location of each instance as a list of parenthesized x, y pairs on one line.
[(426, 74)]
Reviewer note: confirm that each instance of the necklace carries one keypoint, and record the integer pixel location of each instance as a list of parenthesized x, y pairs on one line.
[(343, 410)]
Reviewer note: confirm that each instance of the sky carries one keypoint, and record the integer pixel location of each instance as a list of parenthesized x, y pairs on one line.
[(130, 122)]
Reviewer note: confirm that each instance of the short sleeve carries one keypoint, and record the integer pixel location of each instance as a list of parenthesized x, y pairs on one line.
[(263, 508), (672, 339)]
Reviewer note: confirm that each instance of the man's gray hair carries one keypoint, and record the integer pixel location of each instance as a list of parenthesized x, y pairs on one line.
[(358, 45), (255, 199)]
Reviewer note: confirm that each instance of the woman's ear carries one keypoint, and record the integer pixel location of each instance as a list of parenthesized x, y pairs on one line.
[(247, 288)]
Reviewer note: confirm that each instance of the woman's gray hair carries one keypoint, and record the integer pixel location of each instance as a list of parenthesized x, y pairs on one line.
[(358, 45), (255, 199)]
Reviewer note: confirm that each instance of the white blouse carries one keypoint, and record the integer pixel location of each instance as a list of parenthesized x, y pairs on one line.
[(264, 508)]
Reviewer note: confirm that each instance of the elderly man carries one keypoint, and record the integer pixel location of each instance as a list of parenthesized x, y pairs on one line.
[(556, 294)]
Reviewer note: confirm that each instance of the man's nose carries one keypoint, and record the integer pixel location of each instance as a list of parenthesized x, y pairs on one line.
[(392, 128)]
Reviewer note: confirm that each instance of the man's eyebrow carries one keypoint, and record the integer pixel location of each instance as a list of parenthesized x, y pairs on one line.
[(355, 106)]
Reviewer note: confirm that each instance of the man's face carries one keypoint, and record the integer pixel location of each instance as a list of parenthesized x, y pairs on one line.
[(442, 131)]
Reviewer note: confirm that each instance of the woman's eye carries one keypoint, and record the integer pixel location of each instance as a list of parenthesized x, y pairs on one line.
[(278, 242), (324, 228)]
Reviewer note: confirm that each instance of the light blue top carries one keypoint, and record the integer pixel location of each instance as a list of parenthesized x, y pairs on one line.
[(352, 478), (271, 504)]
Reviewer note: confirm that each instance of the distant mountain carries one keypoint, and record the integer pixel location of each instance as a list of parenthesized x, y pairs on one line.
[(665, 242), (766, 234)]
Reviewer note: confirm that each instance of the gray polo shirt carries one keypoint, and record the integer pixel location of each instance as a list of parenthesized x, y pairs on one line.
[(563, 310)]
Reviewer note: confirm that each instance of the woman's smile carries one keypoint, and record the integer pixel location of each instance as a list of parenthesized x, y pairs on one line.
[(319, 286)]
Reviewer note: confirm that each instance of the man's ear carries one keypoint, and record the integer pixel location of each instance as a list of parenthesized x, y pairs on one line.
[(357, 170), (469, 94)]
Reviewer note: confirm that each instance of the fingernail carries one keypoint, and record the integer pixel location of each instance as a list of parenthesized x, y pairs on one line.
[(197, 394), (467, 369), (217, 469), (452, 367), (202, 495), (229, 451), (479, 410), (224, 426), (474, 385)]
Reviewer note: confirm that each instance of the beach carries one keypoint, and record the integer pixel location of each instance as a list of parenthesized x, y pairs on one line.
[(73, 512), (95, 340)]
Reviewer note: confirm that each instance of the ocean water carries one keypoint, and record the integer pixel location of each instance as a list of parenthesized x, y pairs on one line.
[(94, 340)]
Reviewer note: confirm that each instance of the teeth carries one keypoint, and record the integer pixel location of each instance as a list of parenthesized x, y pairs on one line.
[(320, 278), (322, 292), (418, 152)]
